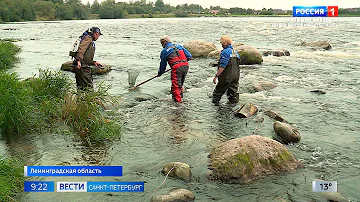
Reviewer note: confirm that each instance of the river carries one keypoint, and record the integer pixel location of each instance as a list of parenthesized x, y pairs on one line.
[(158, 131)]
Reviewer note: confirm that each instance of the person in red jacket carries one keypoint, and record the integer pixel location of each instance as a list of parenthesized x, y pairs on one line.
[(177, 56)]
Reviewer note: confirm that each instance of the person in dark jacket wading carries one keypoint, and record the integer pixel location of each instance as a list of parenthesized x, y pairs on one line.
[(228, 73), (85, 57), (177, 56)]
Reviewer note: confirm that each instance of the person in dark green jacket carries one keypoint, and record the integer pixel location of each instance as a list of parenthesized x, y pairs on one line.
[(85, 57), (228, 73)]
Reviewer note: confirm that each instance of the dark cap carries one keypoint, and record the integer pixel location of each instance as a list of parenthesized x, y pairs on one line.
[(95, 29)]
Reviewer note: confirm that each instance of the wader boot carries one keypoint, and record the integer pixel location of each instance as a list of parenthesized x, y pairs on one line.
[(84, 78)]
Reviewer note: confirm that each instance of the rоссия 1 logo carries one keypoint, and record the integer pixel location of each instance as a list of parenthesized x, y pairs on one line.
[(315, 11)]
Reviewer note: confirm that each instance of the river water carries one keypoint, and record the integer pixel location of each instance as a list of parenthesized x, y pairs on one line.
[(157, 131)]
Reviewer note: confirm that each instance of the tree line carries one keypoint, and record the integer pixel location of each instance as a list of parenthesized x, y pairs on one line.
[(30, 10)]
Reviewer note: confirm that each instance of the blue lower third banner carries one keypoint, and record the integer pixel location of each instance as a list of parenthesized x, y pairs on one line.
[(38, 186), (93, 171), (99, 186)]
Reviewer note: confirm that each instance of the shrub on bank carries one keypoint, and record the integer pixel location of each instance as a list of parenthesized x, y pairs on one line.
[(84, 112), (48, 92), (16, 116), (11, 179), (8, 52)]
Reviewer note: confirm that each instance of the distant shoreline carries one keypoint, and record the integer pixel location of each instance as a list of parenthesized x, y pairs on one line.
[(131, 16), (137, 16)]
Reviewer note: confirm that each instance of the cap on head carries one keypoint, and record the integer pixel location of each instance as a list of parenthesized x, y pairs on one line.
[(225, 39), (95, 29), (165, 39)]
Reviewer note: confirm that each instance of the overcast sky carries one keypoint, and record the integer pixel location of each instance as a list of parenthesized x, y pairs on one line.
[(259, 4)]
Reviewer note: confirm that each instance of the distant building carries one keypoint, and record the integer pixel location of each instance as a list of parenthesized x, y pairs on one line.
[(256, 12), (214, 11), (279, 11), (352, 10)]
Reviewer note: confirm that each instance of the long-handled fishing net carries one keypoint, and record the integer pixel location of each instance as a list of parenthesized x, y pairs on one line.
[(133, 74)]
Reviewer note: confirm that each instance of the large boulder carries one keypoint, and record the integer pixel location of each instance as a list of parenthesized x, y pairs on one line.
[(242, 160), (249, 55), (199, 48), (68, 66), (286, 133), (178, 195), (214, 54), (178, 170)]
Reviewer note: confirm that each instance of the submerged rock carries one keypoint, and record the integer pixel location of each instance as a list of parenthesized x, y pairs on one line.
[(179, 170), (245, 159), (9, 29), (67, 66), (318, 91), (277, 53), (286, 133), (316, 44), (199, 48), (178, 195), (333, 197), (141, 97), (263, 85)]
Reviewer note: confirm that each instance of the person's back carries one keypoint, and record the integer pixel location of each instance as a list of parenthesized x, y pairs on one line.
[(177, 57), (86, 51)]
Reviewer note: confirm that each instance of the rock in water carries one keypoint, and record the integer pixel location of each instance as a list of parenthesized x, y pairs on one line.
[(318, 91), (316, 45), (67, 66), (263, 85), (199, 48), (214, 54), (277, 53), (245, 159), (178, 170), (178, 195), (249, 55), (286, 133)]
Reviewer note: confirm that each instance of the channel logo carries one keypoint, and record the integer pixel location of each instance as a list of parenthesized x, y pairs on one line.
[(71, 186), (315, 11)]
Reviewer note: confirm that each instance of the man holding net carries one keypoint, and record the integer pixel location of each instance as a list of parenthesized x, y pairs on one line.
[(177, 57)]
